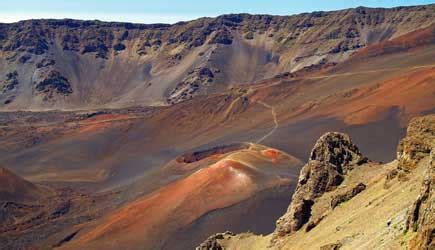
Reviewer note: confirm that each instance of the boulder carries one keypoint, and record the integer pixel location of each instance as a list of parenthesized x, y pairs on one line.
[(332, 157), (212, 243)]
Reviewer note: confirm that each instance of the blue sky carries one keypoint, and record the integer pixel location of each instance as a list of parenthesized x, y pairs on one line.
[(166, 11)]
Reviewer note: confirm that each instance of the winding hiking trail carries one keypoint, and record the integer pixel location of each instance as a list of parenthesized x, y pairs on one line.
[(273, 111), (275, 120)]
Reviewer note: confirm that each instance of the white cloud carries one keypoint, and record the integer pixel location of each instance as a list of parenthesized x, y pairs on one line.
[(119, 17)]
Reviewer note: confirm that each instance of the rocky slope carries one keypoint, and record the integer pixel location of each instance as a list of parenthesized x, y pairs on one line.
[(70, 64), (375, 206)]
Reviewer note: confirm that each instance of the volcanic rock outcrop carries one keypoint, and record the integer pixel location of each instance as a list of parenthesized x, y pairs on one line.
[(332, 157), (10, 82), (421, 216), (54, 82), (212, 243), (418, 144), (196, 81), (10, 85)]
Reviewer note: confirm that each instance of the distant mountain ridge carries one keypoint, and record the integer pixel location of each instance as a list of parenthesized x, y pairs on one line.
[(72, 64)]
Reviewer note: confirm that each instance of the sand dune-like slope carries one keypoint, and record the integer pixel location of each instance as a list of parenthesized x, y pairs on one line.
[(412, 93), (150, 221)]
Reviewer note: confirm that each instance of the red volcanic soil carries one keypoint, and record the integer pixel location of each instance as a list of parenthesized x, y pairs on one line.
[(383, 106), (410, 40), (94, 127), (412, 93), (145, 221), (272, 154), (151, 220), (15, 188), (100, 122), (377, 93)]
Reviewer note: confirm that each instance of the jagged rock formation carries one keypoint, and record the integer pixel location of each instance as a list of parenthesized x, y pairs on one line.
[(417, 144), (123, 64), (212, 243), (332, 157), (421, 218), (414, 147), (54, 82)]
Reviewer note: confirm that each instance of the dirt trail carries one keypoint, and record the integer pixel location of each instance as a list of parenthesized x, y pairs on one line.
[(275, 120)]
